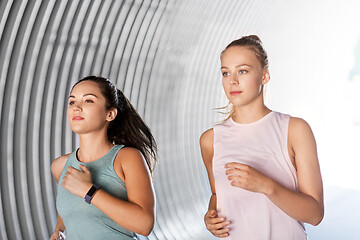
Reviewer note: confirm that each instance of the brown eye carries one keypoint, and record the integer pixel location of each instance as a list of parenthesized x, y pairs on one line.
[(71, 102), (89, 101)]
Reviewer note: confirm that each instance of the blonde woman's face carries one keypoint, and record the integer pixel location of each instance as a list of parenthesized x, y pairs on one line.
[(242, 76)]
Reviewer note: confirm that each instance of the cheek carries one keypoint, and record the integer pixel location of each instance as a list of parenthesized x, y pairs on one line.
[(253, 83), (97, 112), (226, 90), (225, 84)]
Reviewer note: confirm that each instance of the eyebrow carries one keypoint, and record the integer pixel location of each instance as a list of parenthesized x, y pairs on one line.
[(87, 94), (240, 65)]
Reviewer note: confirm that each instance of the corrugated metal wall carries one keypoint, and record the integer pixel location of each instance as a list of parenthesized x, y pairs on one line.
[(164, 55), (45, 47)]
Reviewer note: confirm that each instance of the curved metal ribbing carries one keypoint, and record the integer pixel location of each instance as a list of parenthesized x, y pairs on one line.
[(164, 55), (154, 51), (45, 47)]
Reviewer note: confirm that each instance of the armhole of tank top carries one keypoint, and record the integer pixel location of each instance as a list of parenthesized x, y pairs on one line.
[(66, 164), (286, 150), (112, 164)]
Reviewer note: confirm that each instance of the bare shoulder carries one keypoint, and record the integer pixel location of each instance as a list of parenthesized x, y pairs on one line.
[(207, 140), (299, 130), (298, 124), (308, 169), (129, 154), (302, 141), (129, 160), (58, 165), (207, 146)]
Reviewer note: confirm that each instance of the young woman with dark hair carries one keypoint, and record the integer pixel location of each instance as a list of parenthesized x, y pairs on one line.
[(104, 187), (262, 165)]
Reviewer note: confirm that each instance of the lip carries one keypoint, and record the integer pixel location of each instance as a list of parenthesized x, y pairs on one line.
[(78, 118), (233, 93)]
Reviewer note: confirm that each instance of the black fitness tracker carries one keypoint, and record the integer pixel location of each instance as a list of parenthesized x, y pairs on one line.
[(91, 193)]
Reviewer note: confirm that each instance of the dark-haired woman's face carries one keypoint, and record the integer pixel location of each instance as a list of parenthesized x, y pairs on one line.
[(242, 75), (86, 110)]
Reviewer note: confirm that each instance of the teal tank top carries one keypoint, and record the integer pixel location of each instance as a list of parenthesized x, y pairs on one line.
[(85, 221)]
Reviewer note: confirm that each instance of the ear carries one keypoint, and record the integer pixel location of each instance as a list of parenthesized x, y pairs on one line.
[(111, 114), (266, 77)]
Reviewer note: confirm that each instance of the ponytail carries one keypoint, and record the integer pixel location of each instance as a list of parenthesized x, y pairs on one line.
[(130, 130)]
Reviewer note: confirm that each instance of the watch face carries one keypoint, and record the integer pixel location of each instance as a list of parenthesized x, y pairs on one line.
[(87, 199), (90, 193)]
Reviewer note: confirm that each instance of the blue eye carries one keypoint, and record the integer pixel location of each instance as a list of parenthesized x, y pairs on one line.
[(226, 74), (242, 71)]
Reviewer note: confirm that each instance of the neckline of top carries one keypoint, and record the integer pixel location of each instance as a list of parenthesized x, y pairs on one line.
[(252, 123), (76, 157)]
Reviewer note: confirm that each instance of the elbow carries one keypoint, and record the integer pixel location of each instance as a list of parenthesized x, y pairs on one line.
[(145, 231), (316, 220), (147, 226)]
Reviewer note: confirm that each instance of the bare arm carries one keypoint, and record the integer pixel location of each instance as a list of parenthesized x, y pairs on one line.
[(216, 225), (136, 214), (56, 168), (307, 204)]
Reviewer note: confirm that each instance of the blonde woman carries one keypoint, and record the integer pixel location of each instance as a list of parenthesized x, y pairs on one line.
[(262, 165)]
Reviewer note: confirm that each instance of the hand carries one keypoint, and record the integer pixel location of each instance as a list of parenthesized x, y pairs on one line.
[(56, 235), (216, 225), (248, 178), (76, 181)]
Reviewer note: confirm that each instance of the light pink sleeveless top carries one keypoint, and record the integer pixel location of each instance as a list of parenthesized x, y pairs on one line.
[(263, 146)]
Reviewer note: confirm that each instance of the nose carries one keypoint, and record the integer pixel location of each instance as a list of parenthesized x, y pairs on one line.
[(77, 107), (234, 79)]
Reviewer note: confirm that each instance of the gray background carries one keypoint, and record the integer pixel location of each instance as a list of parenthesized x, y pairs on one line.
[(164, 55)]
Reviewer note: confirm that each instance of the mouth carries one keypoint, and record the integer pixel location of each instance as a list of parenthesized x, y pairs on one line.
[(233, 93), (77, 118)]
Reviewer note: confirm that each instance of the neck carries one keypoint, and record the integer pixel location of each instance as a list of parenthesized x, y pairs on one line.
[(93, 146), (250, 112)]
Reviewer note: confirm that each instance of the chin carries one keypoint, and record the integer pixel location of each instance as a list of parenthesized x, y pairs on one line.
[(238, 103), (78, 129), (82, 129)]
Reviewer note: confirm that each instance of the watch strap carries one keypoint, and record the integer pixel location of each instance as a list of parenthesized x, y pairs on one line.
[(91, 193)]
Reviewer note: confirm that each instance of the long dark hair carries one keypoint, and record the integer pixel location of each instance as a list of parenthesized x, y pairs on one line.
[(127, 128)]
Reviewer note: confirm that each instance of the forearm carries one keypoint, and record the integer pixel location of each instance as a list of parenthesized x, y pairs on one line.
[(127, 214), (59, 224), (299, 206), (212, 202)]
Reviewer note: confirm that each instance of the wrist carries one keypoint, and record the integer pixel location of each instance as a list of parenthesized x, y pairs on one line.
[(86, 189), (91, 192), (59, 230), (270, 187)]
